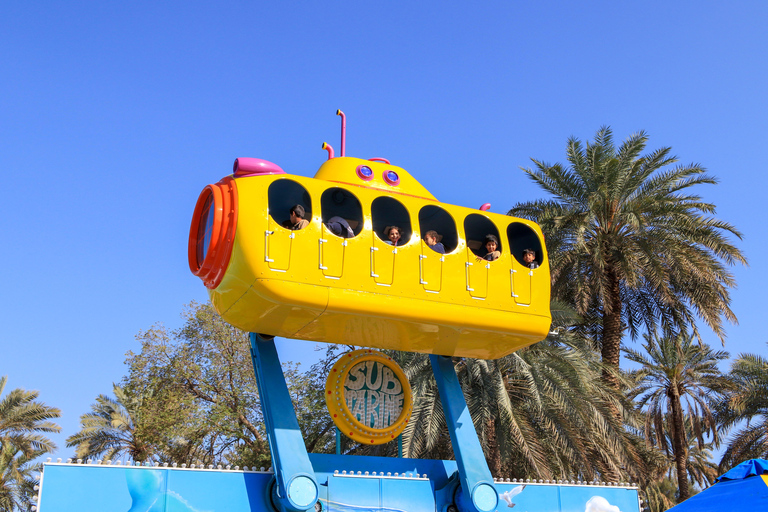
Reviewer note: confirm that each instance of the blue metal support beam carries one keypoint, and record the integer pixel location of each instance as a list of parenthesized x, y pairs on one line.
[(476, 492), (296, 487)]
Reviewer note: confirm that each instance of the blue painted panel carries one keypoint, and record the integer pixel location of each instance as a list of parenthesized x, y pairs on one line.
[(80, 488), (529, 497), (83, 488), (407, 495), (438, 470), (567, 498), (373, 494), (598, 499), (69, 488), (353, 494), (214, 491)]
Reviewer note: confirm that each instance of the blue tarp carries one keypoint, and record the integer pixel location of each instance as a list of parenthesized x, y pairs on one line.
[(754, 467), (744, 487)]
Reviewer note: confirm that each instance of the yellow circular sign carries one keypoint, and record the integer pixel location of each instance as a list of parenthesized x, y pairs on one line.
[(368, 396)]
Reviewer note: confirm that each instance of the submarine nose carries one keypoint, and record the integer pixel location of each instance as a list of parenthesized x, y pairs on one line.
[(212, 232)]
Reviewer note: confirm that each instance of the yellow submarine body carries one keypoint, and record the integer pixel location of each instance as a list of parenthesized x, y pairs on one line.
[(311, 284)]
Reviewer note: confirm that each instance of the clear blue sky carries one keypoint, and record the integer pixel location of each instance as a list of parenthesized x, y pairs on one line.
[(114, 115)]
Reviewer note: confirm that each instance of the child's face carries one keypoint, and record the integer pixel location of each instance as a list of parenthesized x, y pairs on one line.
[(394, 235), (528, 257), (490, 246), (431, 240)]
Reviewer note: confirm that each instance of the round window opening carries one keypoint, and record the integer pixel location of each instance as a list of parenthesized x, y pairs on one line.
[(391, 178), (364, 172)]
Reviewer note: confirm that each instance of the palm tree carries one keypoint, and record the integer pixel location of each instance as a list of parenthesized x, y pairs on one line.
[(676, 371), (18, 477), (629, 245), (659, 495), (110, 429), (541, 412), (746, 404), (24, 421), (701, 470)]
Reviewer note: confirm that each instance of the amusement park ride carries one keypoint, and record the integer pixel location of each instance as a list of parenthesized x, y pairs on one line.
[(272, 276)]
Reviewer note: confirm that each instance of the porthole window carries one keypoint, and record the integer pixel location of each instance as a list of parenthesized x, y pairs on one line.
[(205, 229), (434, 218), (211, 234), (391, 177), (364, 172), (521, 238), (284, 195), (341, 212), (387, 213), (477, 228)]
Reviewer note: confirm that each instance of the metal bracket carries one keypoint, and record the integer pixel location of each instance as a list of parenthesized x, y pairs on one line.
[(466, 269), (320, 257), (266, 246), (296, 488), (476, 491), (373, 274)]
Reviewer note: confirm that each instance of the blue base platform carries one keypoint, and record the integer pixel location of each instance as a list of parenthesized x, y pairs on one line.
[(346, 484)]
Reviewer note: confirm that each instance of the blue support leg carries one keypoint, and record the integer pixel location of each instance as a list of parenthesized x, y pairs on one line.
[(476, 491), (296, 487)]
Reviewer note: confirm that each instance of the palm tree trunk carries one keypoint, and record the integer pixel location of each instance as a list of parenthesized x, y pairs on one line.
[(611, 342), (678, 442), (494, 454)]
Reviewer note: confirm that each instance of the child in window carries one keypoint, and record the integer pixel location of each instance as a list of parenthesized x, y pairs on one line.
[(529, 258), (491, 246), (393, 234), (432, 239)]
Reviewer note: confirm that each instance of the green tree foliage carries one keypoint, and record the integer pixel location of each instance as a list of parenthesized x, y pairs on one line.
[(18, 475), (660, 495), (630, 244), (661, 490), (190, 396), (541, 412), (308, 394), (109, 431), (678, 380), (745, 406), (701, 469), (202, 403), (24, 421)]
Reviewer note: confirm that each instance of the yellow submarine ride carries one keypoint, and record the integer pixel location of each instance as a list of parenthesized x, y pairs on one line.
[(314, 285)]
